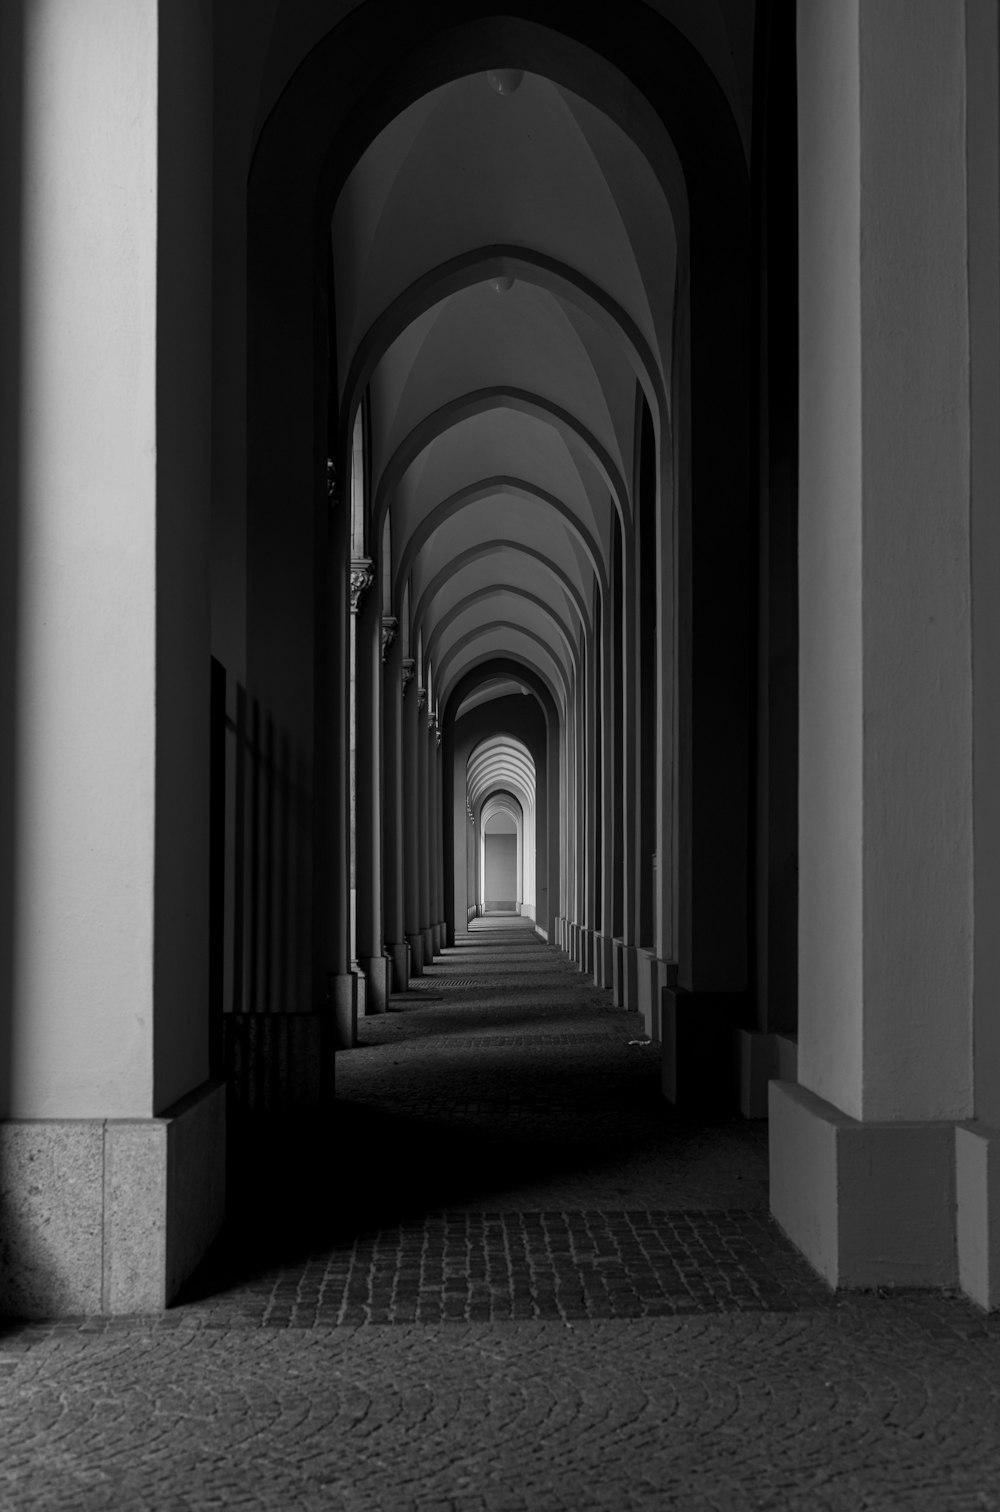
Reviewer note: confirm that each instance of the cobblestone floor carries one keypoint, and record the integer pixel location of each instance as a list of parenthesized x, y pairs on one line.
[(519, 1283)]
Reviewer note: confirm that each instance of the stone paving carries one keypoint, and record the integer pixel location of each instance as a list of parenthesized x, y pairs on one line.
[(508, 1279)]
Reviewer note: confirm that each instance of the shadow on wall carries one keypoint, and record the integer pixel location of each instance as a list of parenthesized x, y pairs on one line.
[(11, 276), (261, 888)]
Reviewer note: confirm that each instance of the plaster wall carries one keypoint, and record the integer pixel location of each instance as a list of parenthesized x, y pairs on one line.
[(240, 35), (885, 675), (831, 989), (184, 505), (500, 870), (11, 193), (983, 133), (916, 567), (82, 1038)]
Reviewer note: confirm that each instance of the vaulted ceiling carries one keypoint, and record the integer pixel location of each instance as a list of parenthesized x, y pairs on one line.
[(505, 266)]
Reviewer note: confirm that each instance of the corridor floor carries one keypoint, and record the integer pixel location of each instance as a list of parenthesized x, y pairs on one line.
[(512, 1280)]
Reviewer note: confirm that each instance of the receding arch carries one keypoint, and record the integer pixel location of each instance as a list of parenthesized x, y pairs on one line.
[(380, 58), (530, 266), (482, 595), (520, 488), (480, 401), (538, 704), (487, 548), (489, 628)]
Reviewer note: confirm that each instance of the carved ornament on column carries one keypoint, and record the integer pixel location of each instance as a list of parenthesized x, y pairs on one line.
[(390, 624), (362, 577), (421, 697), (438, 735), (409, 672), (432, 719)]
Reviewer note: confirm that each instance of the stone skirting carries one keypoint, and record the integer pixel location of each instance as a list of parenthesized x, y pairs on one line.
[(977, 1208), (399, 955), (344, 1009), (626, 976), (760, 1059), (378, 974), (416, 944), (652, 975), (603, 961), (109, 1215), (868, 1204)]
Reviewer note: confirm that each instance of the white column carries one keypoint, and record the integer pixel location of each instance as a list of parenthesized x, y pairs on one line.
[(863, 1147), (109, 1002)]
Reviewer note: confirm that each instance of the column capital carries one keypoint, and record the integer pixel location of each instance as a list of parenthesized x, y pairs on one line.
[(409, 672), (390, 624), (362, 577)]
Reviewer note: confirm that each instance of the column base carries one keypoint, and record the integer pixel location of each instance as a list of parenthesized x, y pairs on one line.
[(428, 938), (868, 1204), (416, 944), (629, 987), (618, 973), (652, 975), (344, 1010), (604, 961), (109, 1216), (760, 1059), (977, 1190), (399, 955), (378, 970), (437, 935), (697, 1033)]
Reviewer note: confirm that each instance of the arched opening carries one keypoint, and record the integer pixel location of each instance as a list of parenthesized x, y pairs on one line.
[(543, 377), (502, 842), (501, 805)]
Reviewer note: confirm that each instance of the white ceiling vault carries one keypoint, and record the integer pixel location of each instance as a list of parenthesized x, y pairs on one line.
[(505, 265)]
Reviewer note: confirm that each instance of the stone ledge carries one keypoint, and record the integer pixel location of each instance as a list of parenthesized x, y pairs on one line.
[(868, 1204), (109, 1215), (761, 1058), (977, 1192)]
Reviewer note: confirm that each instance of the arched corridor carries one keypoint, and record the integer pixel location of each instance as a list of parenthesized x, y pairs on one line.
[(499, 640)]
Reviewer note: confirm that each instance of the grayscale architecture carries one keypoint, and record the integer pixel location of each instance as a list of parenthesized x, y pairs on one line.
[(539, 460)]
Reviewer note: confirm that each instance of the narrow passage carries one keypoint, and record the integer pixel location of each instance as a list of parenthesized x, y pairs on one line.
[(502, 1150)]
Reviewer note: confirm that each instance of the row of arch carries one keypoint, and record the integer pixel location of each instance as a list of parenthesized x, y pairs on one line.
[(500, 446)]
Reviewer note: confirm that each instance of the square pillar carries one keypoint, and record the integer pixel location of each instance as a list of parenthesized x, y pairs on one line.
[(863, 1150)]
